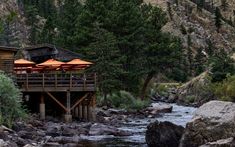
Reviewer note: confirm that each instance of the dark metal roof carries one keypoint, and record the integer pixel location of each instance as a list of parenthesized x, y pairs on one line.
[(7, 48), (56, 52), (39, 46)]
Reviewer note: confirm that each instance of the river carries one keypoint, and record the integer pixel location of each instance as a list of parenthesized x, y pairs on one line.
[(180, 115)]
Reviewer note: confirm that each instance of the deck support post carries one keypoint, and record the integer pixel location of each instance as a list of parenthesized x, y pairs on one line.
[(68, 116), (88, 113), (76, 112), (93, 110), (80, 111), (84, 112), (42, 108)]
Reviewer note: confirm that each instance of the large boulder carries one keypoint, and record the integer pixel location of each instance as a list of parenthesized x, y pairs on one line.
[(213, 121), (229, 142), (163, 134)]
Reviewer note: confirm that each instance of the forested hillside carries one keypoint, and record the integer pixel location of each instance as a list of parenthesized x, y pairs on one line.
[(123, 38), (131, 42)]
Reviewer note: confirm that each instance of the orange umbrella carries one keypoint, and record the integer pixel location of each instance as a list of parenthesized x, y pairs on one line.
[(76, 64), (23, 62), (51, 63)]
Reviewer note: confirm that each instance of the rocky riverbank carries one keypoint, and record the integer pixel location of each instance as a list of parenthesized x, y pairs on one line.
[(49, 133), (212, 126), (112, 127)]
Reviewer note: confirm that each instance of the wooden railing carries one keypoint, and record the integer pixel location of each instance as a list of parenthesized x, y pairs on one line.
[(57, 81)]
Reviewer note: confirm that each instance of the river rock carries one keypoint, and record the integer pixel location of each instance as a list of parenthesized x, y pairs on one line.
[(7, 143), (116, 111), (163, 134), (229, 142), (156, 108), (213, 121), (100, 129)]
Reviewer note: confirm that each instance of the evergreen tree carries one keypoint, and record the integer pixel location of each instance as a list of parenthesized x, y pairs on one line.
[(8, 32), (177, 3), (1, 31), (104, 52), (47, 10), (199, 62), (162, 52), (169, 10), (221, 65), (218, 17), (190, 57), (31, 13), (210, 47), (162, 57), (125, 21), (200, 4), (224, 4)]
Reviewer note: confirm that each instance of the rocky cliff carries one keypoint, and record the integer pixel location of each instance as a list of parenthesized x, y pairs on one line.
[(187, 21), (14, 31)]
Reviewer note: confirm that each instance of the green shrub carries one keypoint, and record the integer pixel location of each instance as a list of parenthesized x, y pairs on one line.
[(121, 98), (190, 99), (10, 101), (162, 89), (126, 100), (139, 104), (225, 90)]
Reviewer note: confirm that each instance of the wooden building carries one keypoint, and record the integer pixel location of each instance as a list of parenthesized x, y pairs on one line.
[(71, 94), (40, 53), (7, 58)]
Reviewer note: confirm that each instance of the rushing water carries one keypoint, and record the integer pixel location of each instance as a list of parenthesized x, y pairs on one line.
[(180, 115)]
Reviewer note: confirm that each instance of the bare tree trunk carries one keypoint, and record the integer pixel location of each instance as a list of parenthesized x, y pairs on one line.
[(146, 83)]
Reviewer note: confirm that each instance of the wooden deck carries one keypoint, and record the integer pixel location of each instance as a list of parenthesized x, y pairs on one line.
[(40, 82)]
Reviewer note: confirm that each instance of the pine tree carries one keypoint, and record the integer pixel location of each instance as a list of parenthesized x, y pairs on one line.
[(169, 10), (224, 4), (200, 4), (31, 13), (177, 3), (221, 66), (8, 35), (104, 52), (67, 25), (125, 21), (162, 52), (218, 17), (210, 47), (190, 57), (199, 61)]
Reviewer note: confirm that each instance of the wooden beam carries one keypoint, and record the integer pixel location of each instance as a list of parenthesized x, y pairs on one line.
[(58, 102), (79, 101)]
